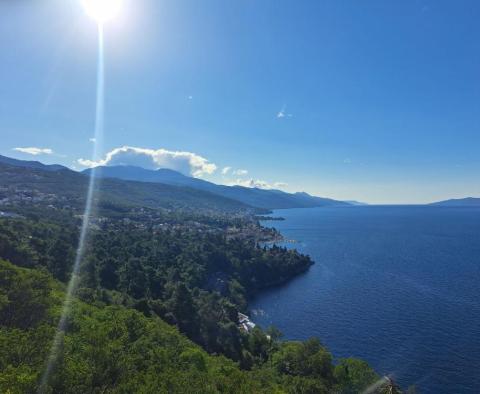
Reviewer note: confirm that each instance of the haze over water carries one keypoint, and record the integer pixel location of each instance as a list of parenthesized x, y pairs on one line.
[(395, 285)]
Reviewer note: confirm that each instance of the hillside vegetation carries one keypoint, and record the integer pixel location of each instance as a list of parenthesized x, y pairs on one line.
[(156, 309), (72, 187), (114, 349)]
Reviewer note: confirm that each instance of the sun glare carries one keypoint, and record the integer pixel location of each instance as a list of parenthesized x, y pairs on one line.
[(102, 10)]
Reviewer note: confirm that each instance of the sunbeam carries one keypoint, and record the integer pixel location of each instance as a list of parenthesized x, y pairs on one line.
[(385, 385), (72, 284)]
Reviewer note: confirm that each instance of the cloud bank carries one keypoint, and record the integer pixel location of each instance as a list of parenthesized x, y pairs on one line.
[(187, 163), (34, 150)]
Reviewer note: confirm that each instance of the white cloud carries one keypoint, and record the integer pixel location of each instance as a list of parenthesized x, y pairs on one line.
[(87, 163), (93, 139), (35, 151), (185, 162), (347, 160), (257, 183), (283, 114), (240, 172), (226, 170)]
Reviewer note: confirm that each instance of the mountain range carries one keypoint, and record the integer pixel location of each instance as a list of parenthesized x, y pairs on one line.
[(255, 197), (157, 184), (165, 182), (71, 187)]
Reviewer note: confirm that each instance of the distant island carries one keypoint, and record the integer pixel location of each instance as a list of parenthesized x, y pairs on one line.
[(459, 202)]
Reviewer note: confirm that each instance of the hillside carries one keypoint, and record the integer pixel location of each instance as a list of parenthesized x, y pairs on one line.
[(31, 164), (157, 188), (72, 186), (132, 282), (134, 354), (261, 198)]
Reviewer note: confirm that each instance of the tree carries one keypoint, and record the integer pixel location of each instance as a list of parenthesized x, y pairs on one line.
[(24, 298), (61, 257), (182, 309), (354, 376)]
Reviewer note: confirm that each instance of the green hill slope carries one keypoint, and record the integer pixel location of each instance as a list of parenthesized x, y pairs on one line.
[(72, 188), (262, 198), (106, 350), (113, 349)]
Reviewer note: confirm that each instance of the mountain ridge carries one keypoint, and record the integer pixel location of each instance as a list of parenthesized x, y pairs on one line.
[(261, 198), (253, 197), (72, 186), (31, 164)]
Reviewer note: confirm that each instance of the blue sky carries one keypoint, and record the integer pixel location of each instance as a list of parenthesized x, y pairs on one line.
[(377, 101)]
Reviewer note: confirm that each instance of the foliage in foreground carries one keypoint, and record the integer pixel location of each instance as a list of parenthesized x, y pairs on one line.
[(114, 349)]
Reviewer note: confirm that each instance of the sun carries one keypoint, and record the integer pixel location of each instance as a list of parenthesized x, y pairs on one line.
[(102, 10)]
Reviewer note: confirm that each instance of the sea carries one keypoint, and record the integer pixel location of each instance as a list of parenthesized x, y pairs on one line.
[(397, 286)]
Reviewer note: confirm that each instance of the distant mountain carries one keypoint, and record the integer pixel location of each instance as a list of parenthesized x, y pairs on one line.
[(31, 164), (72, 187), (238, 196), (459, 202), (140, 174), (261, 198)]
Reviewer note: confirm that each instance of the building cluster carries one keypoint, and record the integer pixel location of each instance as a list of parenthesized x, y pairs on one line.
[(244, 323), (157, 219), (9, 196)]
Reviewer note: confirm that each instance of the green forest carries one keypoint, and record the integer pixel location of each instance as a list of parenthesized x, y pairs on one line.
[(156, 308), (116, 349)]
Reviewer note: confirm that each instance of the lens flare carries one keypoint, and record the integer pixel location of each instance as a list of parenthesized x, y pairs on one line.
[(102, 10), (55, 349), (384, 383)]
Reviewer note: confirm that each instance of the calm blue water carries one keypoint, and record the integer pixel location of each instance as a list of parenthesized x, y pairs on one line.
[(397, 286)]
